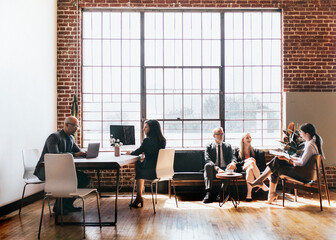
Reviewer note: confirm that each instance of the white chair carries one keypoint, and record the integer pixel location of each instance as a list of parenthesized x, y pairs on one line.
[(164, 172), (61, 182), (30, 158)]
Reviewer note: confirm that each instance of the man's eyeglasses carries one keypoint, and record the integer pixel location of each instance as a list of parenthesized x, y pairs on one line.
[(74, 125), (219, 134)]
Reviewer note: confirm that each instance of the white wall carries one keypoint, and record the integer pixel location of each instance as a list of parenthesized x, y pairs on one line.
[(319, 109), (27, 86)]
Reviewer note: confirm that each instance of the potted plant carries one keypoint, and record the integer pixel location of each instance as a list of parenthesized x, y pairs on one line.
[(116, 144), (292, 143)]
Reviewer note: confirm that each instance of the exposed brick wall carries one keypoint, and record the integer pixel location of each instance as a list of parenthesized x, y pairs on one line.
[(309, 48)]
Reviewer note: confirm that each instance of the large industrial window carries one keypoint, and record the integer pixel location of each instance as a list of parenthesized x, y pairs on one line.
[(192, 71)]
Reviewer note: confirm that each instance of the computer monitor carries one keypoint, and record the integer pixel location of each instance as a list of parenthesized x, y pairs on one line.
[(124, 133)]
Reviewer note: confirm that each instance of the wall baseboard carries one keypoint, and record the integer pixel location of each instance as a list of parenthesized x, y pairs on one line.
[(4, 210)]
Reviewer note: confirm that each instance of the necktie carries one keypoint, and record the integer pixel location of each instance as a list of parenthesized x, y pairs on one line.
[(219, 156)]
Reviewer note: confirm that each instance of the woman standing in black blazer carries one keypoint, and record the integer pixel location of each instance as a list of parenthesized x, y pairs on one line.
[(248, 160), (146, 169)]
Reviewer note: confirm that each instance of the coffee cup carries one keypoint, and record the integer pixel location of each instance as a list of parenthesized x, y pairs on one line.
[(229, 171)]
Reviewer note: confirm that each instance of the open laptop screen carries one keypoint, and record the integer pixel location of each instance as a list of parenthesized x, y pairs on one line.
[(124, 133)]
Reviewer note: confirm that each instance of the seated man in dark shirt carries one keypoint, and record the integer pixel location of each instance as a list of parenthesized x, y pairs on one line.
[(64, 142)]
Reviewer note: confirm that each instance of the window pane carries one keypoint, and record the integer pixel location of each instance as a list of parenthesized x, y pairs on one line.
[(211, 106), (173, 106), (211, 53), (87, 31), (154, 81), (173, 80), (192, 106), (153, 25), (210, 80), (154, 52), (154, 106), (172, 52), (192, 81), (96, 22), (192, 134), (210, 25), (256, 25), (173, 133), (173, 25), (234, 106)]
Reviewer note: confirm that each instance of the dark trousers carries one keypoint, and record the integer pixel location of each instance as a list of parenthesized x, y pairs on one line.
[(210, 175), (83, 181), (282, 167)]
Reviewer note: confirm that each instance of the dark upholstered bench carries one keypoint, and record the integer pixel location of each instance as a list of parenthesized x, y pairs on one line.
[(189, 169)]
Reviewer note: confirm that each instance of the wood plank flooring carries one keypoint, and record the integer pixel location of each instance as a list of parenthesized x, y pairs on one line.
[(191, 220)]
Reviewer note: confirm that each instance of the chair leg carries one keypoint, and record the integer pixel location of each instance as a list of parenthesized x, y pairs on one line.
[(169, 188), (283, 192), (61, 211), (156, 187), (295, 192), (153, 197), (174, 192), (325, 183), (49, 208), (319, 185), (84, 218), (98, 207), (44, 197), (24, 189)]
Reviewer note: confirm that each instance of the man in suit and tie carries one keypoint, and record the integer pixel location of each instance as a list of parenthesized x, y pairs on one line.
[(64, 142), (218, 157)]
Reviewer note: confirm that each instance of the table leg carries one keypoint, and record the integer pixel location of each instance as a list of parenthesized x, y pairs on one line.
[(234, 201), (116, 199), (223, 192), (98, 176)]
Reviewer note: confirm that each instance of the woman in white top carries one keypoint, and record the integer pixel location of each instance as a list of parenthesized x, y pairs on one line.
[(291, 167)]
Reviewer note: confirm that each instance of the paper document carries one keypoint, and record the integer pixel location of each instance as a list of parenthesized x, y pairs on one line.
[(277, 153)]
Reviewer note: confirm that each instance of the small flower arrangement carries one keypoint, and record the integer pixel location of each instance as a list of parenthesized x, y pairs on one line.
[(292, 142), (116, 142)]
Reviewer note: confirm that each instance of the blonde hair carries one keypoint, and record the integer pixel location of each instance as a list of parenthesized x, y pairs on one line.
[(241, 151)]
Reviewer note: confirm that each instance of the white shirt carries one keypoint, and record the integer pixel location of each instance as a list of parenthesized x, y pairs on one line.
[(310, 149)]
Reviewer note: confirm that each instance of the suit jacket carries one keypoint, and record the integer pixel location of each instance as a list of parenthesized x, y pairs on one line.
[(211, 155), (259, 156), (55, 143)]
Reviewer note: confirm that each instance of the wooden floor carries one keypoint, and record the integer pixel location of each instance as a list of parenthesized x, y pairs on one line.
[(191, 220)]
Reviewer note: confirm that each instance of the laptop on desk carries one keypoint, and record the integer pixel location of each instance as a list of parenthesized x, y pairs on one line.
[(93, 150)]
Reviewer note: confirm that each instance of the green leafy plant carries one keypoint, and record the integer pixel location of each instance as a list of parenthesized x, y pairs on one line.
[(74, 106), (292, 143)]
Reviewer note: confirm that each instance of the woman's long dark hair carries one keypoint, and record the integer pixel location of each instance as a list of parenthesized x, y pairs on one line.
[(155, 132), (309, 128)]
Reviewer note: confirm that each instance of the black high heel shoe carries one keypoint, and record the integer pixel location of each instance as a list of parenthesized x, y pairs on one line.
[(136, 202)]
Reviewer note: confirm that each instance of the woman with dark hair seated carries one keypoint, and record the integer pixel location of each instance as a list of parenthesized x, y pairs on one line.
[(247, 159), (290, 167), (146, 169)]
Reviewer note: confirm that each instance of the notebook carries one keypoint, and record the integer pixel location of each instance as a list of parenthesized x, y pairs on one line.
[(93, 150)]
